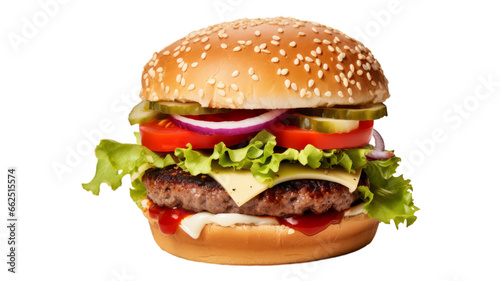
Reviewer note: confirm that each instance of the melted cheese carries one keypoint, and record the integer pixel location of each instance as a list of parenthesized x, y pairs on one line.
[(242, 186)]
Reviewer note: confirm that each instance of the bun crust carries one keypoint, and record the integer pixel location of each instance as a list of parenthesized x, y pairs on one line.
[(267, 244), (265, 63)]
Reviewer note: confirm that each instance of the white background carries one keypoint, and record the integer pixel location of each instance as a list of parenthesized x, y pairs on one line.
[(70, 73)]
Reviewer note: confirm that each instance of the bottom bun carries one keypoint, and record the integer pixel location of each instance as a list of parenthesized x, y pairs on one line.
[(267, 244)]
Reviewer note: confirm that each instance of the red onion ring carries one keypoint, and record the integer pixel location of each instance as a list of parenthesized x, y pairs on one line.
[(229, 128), (378, 152)]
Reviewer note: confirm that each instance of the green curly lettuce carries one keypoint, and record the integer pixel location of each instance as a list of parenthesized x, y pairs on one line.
[(388, 197)]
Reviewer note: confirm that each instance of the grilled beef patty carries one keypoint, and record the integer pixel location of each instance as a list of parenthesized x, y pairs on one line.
[(172, 187)]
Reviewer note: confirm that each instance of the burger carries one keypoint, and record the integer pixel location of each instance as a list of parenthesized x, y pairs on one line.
[(254, 145)]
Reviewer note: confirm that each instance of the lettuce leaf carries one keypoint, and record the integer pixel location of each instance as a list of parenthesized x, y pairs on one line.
[(115, 160), (388, 198)]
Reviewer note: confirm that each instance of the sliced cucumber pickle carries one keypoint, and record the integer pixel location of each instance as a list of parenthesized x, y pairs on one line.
[(184, 108), (142, 114), (323, 125), (370, 112)]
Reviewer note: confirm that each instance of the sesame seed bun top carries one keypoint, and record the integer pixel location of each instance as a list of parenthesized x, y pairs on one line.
[(265, 63)]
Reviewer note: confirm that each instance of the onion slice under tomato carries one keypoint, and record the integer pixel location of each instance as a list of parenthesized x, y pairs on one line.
[(378, 152), (229, 128)]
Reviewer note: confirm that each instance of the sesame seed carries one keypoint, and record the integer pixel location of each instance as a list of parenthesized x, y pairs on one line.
[(221, 92), (358, 85), (346, 82), (328, 94), (340, 94), (318, 62), (314, 54), (349, 90), (249, 42), (166, 53), (200, 93), (239, 100), (162, 86), (287, 83), (203, 55), (327, 31), (336, 39), (374, 84), (177, 48), (338, 49), (274, 42), (296, 62), (275, 37), (293, 44), (176, 54), (280, 30), (151, 72), (317, 92), (235, 73), (301, 33), (314, 29), (282, 52), (351, 67), (204, 39), (327, 42), (300, 57), (369, 76), (316, 40), (146, 82), (257, 33), (325, 66), (184, 67), (284, 71), (308, 59), (361, 56), (351, 100), (159, 69), (220, 85), (320, 74), (352, 81), (331, 48), (182, 48), (176, 93), (181, 64), (349, 74), (340, 57), (188, 49), (359, 72), (183, 82), (167, 89), (211, 81), (237, 49), (265, 51), (229, 100), (207, 47), (178, 78), (223, 46), (302, 92), (256, 49), (310, 83), (191, 87), (337, 78), (250, 71), (194, 64), (234, 87), (275, 59), (242, 42), (263, 46), (294, 86), (255, 77), (340, 67), (319, 51), (307, 67), (179, 60)]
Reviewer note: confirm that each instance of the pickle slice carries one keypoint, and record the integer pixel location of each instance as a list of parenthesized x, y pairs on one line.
[(142, 114), (323, 125), (371, 112), (184, 108)]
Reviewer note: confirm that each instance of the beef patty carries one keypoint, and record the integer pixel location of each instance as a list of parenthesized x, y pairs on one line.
[(173, 187)]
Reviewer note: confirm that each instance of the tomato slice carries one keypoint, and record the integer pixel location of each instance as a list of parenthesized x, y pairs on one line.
[(294, 137), (163, 135)]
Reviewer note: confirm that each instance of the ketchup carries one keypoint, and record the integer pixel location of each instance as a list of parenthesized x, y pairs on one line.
[(168, 218), (311, 224)]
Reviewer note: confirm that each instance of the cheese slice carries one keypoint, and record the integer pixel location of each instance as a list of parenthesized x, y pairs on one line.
[(242, 186)]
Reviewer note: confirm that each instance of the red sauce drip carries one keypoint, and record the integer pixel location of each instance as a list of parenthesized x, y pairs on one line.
[(168, 218), (311, 224)]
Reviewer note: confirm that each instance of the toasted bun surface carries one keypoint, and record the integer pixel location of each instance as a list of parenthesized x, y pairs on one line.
[(265, 63), (267, 244)]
